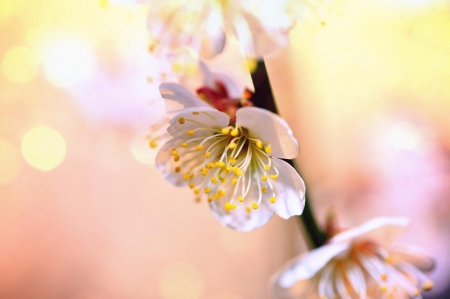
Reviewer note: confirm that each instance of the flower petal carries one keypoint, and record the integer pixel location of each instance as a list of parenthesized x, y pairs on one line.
[(210, 79), (307, 265), (414, 256), (240, 219), (382, 230), (178, 98), (165, 163), (206, 117), (269, 127), (290, 190)]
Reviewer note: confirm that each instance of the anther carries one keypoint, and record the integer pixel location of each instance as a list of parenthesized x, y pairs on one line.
[(232, 145), (264, 189), (153, 143), (234, 132), (174, 152), (210, 198), (229, 206), (195, 113), (273, 176), (259, 144), (204, 171), (207, 190), (181, 120), (264, 177), (207, 155), (228, 168), (232, 161), (177, 169), (199, 147), (383, 277), (214, 180), (183, 144), (234, 181), (176, 158), (220, 164), (427, 285), (248, 209), (196, 191), (268, 149), (384, 289), (221, 192), (225, 131), (191, 185), (267, 167), (273, 199), (191, 132), (186, 177), (255, 206)]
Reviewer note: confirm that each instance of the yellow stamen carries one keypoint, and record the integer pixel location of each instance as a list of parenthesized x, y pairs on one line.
[(388, 259), (174, 152), (240, 198), (207, 155), (229, 206), (221, 192), (232, 161), (195, 112), (267, 167), (264, 177), (384, 289), (200, 147), (153, 143), (214, 180), (383, 277), (191, 185), (232, 145), (225, 131), (207, 190), (264, 189), (255, 206), (186, 177), (228, 168), (273, 199), (177, 169), (176, 158), (181, 120), (210, 198), (268, 149), (220, 164), (248, 209), (204, 171), (183, 144), (191, 132), (259, 144), (427, 285), (234, 132), (273, 176), (197, 191), (234, 181)]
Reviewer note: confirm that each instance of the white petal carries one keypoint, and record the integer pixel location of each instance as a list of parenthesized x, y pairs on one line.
[(239, 219), (414, 256), (382, 230), (206, 117), (301, 289), (308, 264), (165, 163), (178, 98), (290, 190), (268, 126)]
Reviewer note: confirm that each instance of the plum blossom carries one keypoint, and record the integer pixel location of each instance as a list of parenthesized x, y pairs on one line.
[(224, 150), (357, 263)]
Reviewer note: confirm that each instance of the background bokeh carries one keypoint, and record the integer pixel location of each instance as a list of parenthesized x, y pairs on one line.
[(84, 214)]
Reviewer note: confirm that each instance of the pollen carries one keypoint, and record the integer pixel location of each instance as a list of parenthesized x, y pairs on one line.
[(177, 169), (241, 199), (383, 276), (268, 150), (266, 167), (191, 185), (191, 132), (220, 164), (388, 259), (273, 176), (228, 168), (183, 144), (259, 144), (427, 285), (221, 192), (195, 113), (174, 152), (210, 198), (232, 145), (196, 191), (264, 177), (384, 289), (264, 189), (229, 206), (225, 131), (232, 160), (248, 209), (234, 181), (255, 206), (204, 171), (207, 155), (176, 158), (273, 199), (207, 190), (181, 120), (200, 147), (239, 172), (186, 177), (234, 132), (153, 143), (214, 180)]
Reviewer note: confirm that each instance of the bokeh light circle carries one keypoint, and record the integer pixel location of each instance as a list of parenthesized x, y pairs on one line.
[(20, 64), (181, 281), (10, 162), (43, 148)]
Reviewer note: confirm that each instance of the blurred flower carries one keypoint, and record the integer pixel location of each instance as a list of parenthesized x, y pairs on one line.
[(227, 157), (260, 26), (357, 263)]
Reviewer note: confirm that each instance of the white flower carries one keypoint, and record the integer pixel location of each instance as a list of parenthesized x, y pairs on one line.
[(357, 263), (260, 26), (230, 161)]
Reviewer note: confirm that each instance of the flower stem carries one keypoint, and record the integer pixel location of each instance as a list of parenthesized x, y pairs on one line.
[(264, 98)]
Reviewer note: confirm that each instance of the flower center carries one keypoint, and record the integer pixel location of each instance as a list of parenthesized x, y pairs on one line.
[(225, 163), (369, 269)]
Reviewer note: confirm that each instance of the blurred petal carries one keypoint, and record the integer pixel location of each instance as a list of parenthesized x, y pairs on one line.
[(291, 190), (166, 164), (178, 98), (382, 230), (414, 256), (211, 78), (271, 128)]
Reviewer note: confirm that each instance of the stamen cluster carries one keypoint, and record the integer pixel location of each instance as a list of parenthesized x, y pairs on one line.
[(225, 162)]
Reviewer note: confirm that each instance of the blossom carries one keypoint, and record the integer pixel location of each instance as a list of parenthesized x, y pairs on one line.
[(228, 156), (260, 26), (357, 263)]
